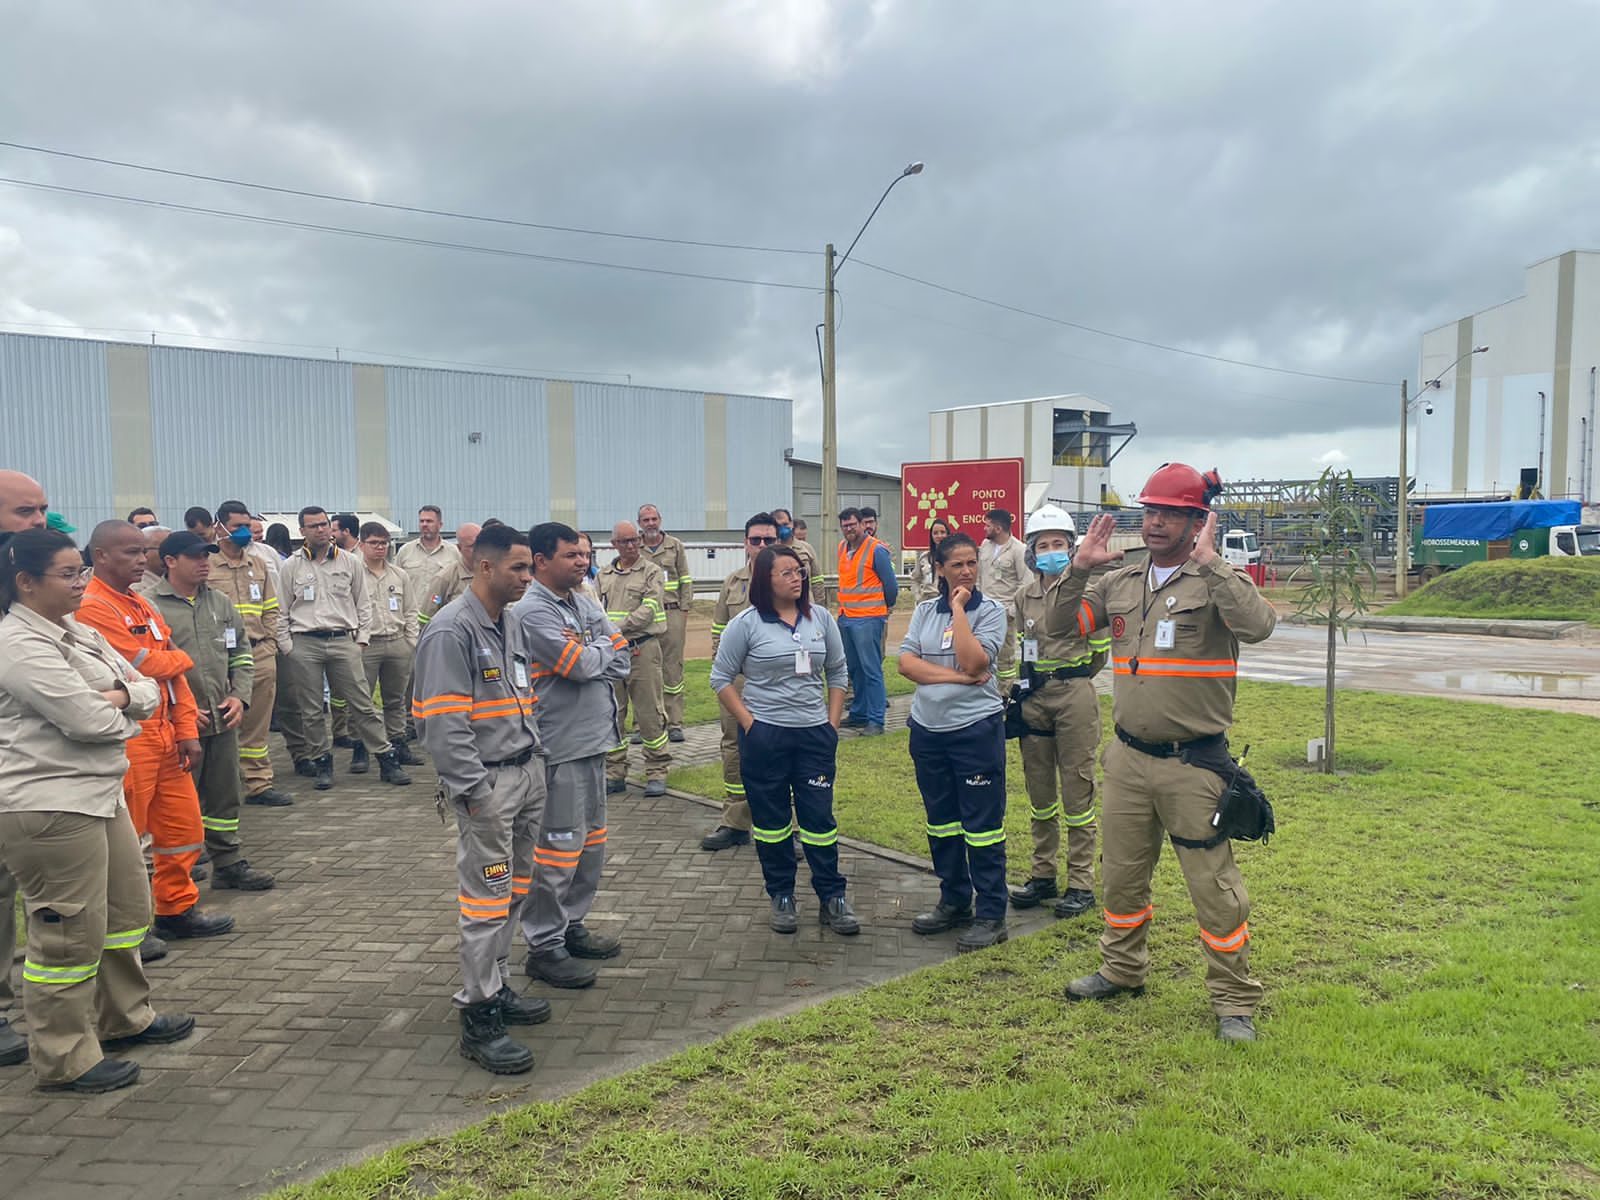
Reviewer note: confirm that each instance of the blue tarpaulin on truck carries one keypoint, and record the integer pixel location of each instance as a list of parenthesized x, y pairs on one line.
[(1492, 522)]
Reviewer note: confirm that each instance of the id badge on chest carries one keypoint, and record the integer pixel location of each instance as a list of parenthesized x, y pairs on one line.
[(519, 673), (948, 638), (394, 603), (1030, 650), (802, 662), (230, 638), (255, 591), (309, 592), (1165, 632)]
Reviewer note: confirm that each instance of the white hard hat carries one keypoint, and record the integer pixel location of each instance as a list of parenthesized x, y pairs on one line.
[(1051, 518)]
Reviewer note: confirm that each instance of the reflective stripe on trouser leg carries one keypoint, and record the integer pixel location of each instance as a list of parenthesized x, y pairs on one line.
[(764, 758), (672, 646), (493, 850), (936, 782), (735, 809), (220, 787), (569, 853), (347, 678), (978, 756), (1185, 800), (1039, 775), (644, 689), (1130, 844), (254, 764)]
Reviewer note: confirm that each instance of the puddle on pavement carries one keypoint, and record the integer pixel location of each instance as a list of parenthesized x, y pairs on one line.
[(1575, 685)]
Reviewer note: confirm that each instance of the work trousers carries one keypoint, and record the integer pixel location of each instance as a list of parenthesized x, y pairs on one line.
[(340, 659), (221, 788), (788, 779), (961, 774), (1068, 713), (494, 870), (88, 902), (735, 808), (163, 805), (387, 662), (1005, 663), (863, 642), (570, 852), (254, 763), (672, 644), (642, 688), (339, 711), (1145, 799), (8, 935)]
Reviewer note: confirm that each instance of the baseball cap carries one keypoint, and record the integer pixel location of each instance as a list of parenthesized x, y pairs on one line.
[(54, 520), (184, 542)]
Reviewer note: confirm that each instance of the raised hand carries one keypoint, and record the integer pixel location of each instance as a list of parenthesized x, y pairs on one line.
[(1205, 546), (1094, 550)]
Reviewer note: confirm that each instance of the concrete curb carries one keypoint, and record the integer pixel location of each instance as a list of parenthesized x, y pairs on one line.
[(1480, 627)]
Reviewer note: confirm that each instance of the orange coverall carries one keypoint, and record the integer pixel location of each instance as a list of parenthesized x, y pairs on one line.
[(159, 791)]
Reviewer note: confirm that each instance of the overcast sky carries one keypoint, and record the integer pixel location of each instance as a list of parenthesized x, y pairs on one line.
[(1304, 186)]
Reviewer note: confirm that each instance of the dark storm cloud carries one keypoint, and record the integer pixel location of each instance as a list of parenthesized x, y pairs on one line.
[(1310, 187)]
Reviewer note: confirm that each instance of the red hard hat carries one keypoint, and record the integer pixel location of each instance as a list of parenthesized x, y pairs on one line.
[(1178, 485)]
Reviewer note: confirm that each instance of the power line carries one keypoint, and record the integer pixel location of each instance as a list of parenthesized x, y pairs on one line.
[(405, 208), (372, 235), (1121, 337)]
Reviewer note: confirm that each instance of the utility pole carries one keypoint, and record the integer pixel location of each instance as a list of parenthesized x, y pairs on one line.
[(830, 421), (1402, 543)]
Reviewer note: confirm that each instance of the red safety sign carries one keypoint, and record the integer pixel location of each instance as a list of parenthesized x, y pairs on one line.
[(960, 492)]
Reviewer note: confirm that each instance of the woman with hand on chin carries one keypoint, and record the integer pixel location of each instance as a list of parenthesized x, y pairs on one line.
[(792, 658), (958, 746)]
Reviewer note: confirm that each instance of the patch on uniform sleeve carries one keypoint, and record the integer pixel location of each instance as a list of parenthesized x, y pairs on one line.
[(1118, 627), (497, 872)]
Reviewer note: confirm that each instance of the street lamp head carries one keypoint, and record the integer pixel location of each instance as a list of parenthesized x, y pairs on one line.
[(916, 169), (1428, 408), (1480, 349)]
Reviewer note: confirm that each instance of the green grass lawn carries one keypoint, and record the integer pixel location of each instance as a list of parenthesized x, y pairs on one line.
[(1529, 589), (1428, 929), (700, 702)]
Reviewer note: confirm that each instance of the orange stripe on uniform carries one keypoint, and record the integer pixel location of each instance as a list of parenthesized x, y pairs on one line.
[(597, 838), (1228, 943), (1129, 920), (568, 658), (520, 884), (1085, 618)]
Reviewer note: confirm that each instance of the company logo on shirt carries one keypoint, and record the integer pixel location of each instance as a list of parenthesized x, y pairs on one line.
[(497, 872), (1118, 627)]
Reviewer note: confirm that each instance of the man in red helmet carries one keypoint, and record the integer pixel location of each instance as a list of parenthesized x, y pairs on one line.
[(1176, 623)]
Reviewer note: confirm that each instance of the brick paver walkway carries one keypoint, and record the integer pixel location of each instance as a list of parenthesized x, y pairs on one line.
[(325, 1026)]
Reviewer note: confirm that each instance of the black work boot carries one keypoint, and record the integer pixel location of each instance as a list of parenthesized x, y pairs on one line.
[(784, 919), (1236, 1029), (615, 787), (390, 770), (13, 1046), (484, 1040), (343, 742), (164, 1030), (107, 1075), (152, 949), (583, 942), (405, 755), (324, 767), (1075, 903), (1034, 893), (358, 759), (559, 969), (675, 736), (943, 917), (522, 1010), (241, 877), (838, 916), (306, 767), (724, 836), (193, 924), (1098, 987), (980, 935), (272, 798)]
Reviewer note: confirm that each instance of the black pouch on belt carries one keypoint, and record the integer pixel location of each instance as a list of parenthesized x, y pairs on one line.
[(1016, 726), (1243, 813)]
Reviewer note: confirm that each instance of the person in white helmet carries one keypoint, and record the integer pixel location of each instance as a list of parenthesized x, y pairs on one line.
[(1061, 723)]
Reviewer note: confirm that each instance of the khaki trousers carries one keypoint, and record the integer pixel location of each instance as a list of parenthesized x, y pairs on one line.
[(340, 659), (1145, 798), (221, 788), (735, 808), (88, 902), (1067, 709), (642, 688), (8, 935), (672, 644), (1005, 663), (254, 763), (387, 661)]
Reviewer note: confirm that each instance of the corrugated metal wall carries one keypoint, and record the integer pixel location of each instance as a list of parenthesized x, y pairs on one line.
[(756, 426), (54, 422), (639, 446), (504, 474), (277, 433)]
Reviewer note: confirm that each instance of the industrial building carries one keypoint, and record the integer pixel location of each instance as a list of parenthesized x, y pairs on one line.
[(857, 489), (1066, 443), (108, 426), (1523, 412)]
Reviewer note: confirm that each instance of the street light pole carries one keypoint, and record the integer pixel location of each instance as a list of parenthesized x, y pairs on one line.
[(1402, 550)]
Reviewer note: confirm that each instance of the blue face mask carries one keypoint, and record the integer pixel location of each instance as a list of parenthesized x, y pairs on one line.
[(240, 536), (594, 569), (1053, 562), (784, 531)]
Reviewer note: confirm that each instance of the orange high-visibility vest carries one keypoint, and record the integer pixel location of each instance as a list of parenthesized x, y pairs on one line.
[(860, 589)]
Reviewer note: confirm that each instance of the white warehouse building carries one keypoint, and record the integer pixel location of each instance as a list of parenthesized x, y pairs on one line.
[(1526, 407), (1066, 443)]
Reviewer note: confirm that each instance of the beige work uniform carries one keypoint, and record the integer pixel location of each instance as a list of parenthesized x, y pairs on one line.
[(1002, 573), (449, 582), (635, 602), (673, 560), (732, 600), (924, 581), (330, 616), (254, 593), (1063, 719), (1175, 655), (66, 837), (387, 657), (812, 566)]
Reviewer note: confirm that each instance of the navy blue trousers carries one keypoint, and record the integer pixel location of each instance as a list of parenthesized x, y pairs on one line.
[(961, 774), (788, 773)]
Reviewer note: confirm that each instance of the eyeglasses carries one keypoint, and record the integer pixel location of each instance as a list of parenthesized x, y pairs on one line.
[(762, 541), (624, 541), (791, 574), (81, 575)]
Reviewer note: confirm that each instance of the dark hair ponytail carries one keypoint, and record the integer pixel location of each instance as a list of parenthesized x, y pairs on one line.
[(28, 553), (944, 550)]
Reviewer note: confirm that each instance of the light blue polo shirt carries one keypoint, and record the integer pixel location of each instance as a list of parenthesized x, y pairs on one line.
[(763, 651), (946, 706)]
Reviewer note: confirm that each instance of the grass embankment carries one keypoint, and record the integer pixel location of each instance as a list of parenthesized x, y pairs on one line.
[(1425, 926), (700, 702), (1526, 589)]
